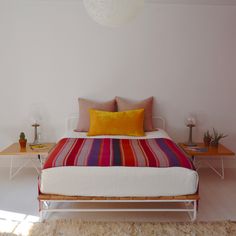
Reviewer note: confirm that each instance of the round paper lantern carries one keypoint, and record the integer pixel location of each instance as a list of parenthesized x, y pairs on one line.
[(113, 12)]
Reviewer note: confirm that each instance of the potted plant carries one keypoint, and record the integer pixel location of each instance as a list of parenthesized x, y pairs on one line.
[(207, 138), (22, 141), (216, 138)]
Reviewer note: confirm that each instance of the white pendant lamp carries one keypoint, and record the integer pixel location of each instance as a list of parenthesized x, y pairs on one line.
[(113, 12)]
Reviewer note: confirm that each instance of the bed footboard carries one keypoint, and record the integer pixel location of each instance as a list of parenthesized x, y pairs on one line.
[(46, 200)]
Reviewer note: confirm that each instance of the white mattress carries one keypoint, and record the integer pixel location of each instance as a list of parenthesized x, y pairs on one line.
[(119, 181)]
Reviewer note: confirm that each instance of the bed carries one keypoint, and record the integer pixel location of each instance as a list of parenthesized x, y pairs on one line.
[(83, 183)]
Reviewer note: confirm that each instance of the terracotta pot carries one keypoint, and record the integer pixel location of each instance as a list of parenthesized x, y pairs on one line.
[(22, 144), (207, 141), (215, 144)]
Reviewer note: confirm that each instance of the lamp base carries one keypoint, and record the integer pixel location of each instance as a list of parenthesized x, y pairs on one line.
[(35, 143), (190, 142)]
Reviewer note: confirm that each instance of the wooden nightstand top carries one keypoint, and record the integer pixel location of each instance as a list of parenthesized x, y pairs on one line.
[(221, 150), (14, 149)]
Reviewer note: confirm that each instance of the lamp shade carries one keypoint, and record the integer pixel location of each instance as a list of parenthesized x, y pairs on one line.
[(190, 121), (113, 12)]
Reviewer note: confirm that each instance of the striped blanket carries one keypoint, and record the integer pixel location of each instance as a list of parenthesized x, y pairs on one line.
[(159, 152)]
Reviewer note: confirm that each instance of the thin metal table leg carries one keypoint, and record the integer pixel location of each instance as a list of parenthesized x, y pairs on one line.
[(221, 172), (41, 161), (12, 175), (222, 168)]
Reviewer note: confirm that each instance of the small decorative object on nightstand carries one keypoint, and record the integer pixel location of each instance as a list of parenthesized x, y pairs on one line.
[(216, 138), (207, 138), (190, 122), (22, 142), (38, 147)]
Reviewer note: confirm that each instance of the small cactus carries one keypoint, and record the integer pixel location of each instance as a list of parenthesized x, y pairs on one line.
[(207, 135), (207, 138), (22, 136), (216, 137), (22, 142)]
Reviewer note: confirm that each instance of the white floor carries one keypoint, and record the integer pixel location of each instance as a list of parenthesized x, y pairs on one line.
[(218, 199)]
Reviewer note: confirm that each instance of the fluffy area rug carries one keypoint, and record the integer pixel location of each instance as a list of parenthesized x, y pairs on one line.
[(7, 234), (86, 228)]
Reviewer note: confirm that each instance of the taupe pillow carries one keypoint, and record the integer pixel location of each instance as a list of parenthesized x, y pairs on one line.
[(125, 104), (85, 105)]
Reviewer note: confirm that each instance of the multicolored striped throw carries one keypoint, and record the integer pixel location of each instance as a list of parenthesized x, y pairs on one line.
[(158, 152)]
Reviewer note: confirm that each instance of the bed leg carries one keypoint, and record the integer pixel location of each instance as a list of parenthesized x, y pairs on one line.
[(192, 210), (41, 216), (195, 206), (40, 211)]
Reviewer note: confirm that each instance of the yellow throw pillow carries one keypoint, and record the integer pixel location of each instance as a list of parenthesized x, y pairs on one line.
[(116, 123)]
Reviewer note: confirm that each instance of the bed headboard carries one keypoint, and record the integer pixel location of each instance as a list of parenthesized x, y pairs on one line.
[(72, 120)]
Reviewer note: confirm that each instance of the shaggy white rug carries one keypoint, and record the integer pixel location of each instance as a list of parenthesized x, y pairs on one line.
[(7, 234), (84, 228)]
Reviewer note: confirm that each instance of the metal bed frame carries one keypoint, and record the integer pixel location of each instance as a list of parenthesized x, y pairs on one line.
[(46, 200)]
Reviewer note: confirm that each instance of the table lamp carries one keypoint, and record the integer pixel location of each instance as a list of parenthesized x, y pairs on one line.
[(36, 136), (190, 122), (36, 118)]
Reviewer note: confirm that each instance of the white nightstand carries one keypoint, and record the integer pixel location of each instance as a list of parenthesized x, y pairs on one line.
[(29, 155)]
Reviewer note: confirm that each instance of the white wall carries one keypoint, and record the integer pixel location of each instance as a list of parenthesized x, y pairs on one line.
[(51, 53)]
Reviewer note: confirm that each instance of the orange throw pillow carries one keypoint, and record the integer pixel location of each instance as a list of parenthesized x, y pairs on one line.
[(116, 123)]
